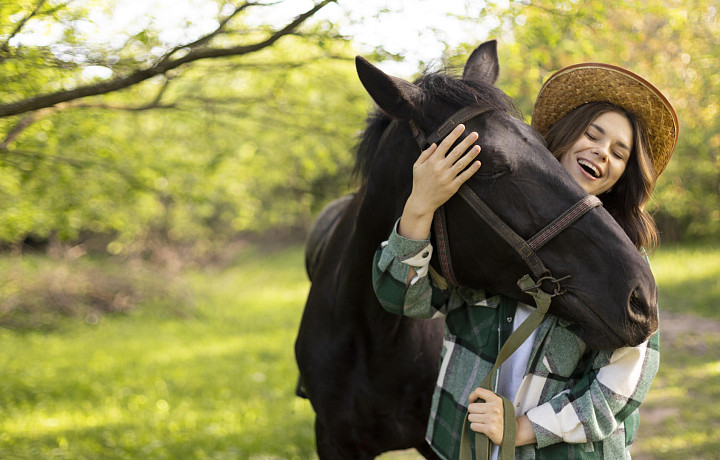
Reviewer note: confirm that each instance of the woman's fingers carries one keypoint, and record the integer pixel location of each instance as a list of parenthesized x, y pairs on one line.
[(466, 159), (450, 139), (425, 154), (462, 147), (468, 173), (485, 414), (482, 393)]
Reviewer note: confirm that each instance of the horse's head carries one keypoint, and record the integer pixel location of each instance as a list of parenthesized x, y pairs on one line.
[(610, 292)]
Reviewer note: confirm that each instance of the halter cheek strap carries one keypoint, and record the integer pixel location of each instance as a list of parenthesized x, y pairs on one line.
[(526, 250), (461, 116)]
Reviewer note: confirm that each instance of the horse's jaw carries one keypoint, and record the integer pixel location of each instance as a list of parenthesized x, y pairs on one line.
[(638, 312)]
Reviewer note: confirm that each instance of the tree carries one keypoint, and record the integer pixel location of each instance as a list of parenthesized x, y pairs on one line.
[(673, 43), (81, 163), (229, 38)]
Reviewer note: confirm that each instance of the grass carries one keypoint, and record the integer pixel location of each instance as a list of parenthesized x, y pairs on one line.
[(216, 385), (219, 383), (689, 279), (681, 414), (680, 417)]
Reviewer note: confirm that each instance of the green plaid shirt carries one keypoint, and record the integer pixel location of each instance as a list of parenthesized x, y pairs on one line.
[(582, 403)]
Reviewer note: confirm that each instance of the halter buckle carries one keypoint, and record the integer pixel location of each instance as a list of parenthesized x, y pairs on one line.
[(558, 289)]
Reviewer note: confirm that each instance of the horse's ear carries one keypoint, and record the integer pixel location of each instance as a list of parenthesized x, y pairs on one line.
[(395, 96), (483, 65)]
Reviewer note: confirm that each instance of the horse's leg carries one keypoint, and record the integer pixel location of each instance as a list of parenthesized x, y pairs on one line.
[(329, 448)]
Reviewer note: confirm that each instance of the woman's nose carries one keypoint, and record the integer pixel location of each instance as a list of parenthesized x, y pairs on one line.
[(603, 152)]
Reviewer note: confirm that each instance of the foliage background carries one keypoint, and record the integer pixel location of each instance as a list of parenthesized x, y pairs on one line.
[(149, 199), (246, 143)]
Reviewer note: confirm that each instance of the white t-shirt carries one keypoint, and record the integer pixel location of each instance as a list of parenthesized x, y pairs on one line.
[(512, 370)]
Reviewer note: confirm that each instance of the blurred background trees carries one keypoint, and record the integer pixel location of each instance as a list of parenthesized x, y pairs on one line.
[(245, 123), (253, 135)]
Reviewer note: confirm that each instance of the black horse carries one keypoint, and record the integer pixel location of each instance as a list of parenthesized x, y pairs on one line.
[(369, 374)]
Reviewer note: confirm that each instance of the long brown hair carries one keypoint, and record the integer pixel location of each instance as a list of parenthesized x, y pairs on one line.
[(626, 200)]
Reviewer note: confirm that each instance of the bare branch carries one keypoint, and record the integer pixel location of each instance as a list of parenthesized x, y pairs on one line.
[(6, 46), (206, 38), (31, 118), (21, 125), (48, 100), (42, 156), (129, 108)]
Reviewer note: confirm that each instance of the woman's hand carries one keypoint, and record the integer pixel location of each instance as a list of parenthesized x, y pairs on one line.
[(437, 175), (486, 417)]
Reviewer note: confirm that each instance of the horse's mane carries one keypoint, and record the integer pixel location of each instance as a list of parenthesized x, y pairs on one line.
[(436, 85)]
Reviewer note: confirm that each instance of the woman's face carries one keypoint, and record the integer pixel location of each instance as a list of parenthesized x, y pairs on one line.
[(598, 158)]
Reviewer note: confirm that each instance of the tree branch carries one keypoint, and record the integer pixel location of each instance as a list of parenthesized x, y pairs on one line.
[(42, 156), (205, 39), (5, 47), (31, 118), (163, 66)]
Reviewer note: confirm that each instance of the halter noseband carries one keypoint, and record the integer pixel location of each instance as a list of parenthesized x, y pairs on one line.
[(526, 250)]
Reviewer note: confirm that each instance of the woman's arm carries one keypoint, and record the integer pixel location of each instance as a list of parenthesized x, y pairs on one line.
[(400, 267), (593, 409), (589, 412)]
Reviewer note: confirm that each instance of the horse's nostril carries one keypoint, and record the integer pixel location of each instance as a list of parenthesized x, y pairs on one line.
[(642, 315), (639, 304)]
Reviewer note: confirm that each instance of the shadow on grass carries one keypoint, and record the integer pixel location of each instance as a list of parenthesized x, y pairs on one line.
[(218, 385), (214, 405), (121, 441)]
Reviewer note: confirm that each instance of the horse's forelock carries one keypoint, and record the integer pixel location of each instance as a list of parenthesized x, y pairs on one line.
[(462, 93)]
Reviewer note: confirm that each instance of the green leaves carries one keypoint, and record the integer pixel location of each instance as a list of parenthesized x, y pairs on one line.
[(194, 155), (252, 125), (675, 45)]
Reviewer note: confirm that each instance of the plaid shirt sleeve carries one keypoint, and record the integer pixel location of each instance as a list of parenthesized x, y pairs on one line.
[(602, 400), (418, 298)]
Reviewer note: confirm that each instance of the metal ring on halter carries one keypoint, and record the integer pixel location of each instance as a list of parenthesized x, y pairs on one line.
[(558, 289)]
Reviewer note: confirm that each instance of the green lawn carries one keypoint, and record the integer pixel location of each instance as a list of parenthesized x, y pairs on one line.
[(219, 383), (216, 385), (689, 279)]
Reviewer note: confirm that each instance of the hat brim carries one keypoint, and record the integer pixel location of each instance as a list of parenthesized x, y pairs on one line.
[(578, 84)]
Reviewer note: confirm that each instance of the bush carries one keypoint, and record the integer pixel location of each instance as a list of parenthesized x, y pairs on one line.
[(36, 291)]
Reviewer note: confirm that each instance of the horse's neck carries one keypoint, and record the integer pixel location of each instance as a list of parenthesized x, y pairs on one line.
[(373, 224)]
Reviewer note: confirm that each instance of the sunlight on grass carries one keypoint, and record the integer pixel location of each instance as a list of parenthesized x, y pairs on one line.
[(680, 417), (220, 383), (688, 275)]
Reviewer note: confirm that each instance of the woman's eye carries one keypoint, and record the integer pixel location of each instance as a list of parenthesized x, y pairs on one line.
[(590, 136), (619, 155)]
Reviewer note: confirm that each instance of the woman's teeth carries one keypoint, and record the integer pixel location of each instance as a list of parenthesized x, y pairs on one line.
[(589, 167)]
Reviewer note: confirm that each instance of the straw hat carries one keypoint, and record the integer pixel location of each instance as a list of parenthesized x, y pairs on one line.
[(578, 84)]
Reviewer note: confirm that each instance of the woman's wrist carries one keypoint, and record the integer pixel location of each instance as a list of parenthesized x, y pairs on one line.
[(415, 223), (524, 433)]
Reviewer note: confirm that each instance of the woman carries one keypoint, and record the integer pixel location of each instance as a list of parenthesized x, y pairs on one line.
[(614, 133)]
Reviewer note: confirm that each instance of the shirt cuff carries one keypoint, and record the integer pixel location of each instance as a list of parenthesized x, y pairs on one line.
[(415, 253), (552, 427), (411, 253)]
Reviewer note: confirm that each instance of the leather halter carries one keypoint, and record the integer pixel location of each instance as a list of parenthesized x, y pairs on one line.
[(526, 249)]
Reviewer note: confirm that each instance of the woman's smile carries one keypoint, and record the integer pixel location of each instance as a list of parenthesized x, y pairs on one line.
[(598, 158)]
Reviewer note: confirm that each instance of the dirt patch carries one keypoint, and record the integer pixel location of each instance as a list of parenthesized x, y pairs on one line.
[(673, 325)]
